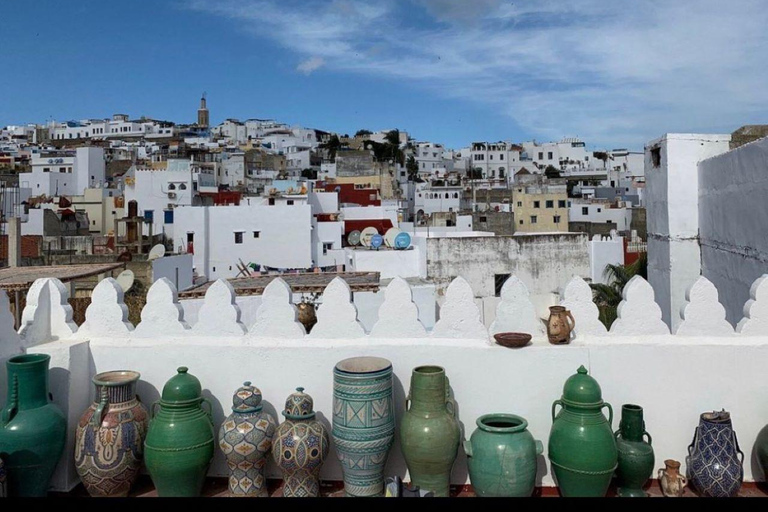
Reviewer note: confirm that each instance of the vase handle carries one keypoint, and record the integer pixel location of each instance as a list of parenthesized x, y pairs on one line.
[(572, 322), (738, 450), (610, 412), (468, 448), (539, 447), (209, 412), (555, 404), (693, 441), (408, 401), (13, 403), (683, 480), (650, 439), (152, 408), (98, 414)]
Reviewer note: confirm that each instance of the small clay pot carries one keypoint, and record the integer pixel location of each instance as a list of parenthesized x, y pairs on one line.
[(512, 339)]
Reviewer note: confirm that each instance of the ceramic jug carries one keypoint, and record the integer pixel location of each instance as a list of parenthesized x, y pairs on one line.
[(501, 456), (180, 441), (109, 442), (636, 457), (429, 431), (715, 462), (671, 481), (560, 325), (582, 448), (33, 430)]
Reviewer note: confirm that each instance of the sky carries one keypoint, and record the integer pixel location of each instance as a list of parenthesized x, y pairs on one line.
[(616, 74)]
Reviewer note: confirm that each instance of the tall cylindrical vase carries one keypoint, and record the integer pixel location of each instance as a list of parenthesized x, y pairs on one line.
[(109, 443), (429, 432), (363, 422), (32, 429)]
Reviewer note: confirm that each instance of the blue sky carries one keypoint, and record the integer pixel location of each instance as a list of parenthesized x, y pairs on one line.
[(614, 73)]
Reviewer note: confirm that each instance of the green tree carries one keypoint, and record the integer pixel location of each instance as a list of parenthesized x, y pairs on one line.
[(310, 174), (393, 137), (551, 172), (332, 146), (412, 166), (363, 133), (608, 296)]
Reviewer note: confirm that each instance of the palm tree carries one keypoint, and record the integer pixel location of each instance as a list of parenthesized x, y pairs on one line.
[(608, 296)]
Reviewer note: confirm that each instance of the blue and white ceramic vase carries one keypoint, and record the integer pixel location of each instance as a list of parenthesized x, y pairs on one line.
[(245, 437), (363, 422), (300, 447), (714, 461)]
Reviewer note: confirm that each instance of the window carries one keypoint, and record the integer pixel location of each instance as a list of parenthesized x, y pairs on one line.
[(521, 222), (327, 246), (498, 282), (599, 210), (46, 169), (520, 204), (541, 156), (171, 186), (549, 155), (168, 216), (483, 219), (585, 210), (550, 204), (501, 156), (402, 174), (183, 186), (238, 237), (62, 169), (149, 215), (537, 204), (271, 201), (256, 234), (557, 219), (656, 157), (190, 238), (490, 157), (290, 202), (561, 203), (534, 219)]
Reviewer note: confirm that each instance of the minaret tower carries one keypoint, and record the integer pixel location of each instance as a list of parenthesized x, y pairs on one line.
[(202, 113)]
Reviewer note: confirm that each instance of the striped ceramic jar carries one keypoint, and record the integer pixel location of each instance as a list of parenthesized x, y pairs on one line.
[(363, 422)]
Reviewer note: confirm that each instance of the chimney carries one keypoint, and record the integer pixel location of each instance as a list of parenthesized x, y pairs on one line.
[(14, 242)]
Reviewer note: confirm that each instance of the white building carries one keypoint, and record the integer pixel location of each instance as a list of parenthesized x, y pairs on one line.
[(429, 156), (428, 199), (65, 173), (495, 160), (278, 236), (599, 212), (232, 169)]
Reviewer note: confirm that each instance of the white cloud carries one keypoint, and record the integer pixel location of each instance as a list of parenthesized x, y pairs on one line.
[(616, 74), (309, 65)]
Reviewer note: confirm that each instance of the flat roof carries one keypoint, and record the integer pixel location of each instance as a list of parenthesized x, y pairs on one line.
[(306, 282), (21, 278)]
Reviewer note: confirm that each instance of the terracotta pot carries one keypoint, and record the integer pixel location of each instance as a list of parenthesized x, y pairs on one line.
[(672, 483), (558, 325)]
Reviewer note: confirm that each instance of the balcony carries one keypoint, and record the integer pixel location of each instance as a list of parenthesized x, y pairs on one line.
[(705, 365)]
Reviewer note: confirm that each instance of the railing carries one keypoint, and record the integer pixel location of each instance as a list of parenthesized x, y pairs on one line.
[(705, 365)]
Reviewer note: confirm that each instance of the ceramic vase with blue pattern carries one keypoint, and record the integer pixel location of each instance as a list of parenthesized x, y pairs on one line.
[(715, 462), (363, 422)]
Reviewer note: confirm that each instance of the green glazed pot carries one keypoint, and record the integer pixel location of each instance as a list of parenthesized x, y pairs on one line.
[(501, 456), (636, 459), (582, 449), (180, 441), (429, 431), (33, 429)]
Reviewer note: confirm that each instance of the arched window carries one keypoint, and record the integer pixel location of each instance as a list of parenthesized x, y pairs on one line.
[(455, 195), (183, 186), (447, 195), (171, 186)]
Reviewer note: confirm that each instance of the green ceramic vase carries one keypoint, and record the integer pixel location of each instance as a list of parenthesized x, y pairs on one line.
[(501, 456), (33, 429), (636, 459), (429, 431), (180, 441), (582, 449)]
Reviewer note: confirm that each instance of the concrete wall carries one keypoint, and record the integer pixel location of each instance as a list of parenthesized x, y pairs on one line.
[(733, 208), (390, 263), (176, 268), (604, 251)]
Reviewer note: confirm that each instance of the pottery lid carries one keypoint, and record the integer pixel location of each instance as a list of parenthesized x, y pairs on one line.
[(247, 398), (581, 389), (299, 405), (182, 387)]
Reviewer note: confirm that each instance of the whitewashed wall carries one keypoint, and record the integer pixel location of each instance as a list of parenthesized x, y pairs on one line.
[(705, 366)]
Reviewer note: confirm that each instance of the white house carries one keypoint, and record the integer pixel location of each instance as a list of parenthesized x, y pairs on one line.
[(599, 212), (428, 199), (65, 173), (496, 160)]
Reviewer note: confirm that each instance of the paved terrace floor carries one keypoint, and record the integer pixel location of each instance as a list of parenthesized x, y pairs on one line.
[(307, 282), (21, 278), (217, 488)]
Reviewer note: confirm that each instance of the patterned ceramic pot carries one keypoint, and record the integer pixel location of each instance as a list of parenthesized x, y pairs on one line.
[(300, 447), (582, 449), (636, 457), (109, 443), (429, 431), (245, 437), (32, 429), (501, 456), (714, 461), (363, 422), (180, 441)]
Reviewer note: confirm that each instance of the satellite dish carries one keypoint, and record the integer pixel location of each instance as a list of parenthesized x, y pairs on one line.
[(125, 280), (367, 234), (353, 238), (389, 236), (377, 241), (156, 252), (402, 240)]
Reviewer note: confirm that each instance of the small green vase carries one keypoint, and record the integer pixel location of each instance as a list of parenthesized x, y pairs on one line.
[(636, 459), (33, 429), (582, 449), (501, 457), (429, 431), (180, 441)]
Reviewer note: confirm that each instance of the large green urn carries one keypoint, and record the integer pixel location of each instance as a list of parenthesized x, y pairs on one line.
[(180, 441), (636, 459), (582, 449), (429, 431), (501, 456), (33, 430)]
